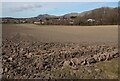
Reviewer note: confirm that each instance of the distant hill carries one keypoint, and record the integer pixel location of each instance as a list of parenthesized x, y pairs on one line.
[(44, 16), (103, 15), (70, 14)]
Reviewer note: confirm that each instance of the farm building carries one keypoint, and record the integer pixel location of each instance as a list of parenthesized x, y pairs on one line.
[(90, 20)]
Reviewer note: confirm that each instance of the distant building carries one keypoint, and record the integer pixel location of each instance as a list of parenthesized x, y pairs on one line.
[(37, 22), (71, 22), (58, 19), (22, 21), (90, 20), (42, 22)]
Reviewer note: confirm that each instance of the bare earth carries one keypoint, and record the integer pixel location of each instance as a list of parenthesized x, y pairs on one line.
[(65, 33), (56, 52)]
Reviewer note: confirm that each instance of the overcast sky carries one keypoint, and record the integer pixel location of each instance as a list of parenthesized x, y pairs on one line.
[(32, 9)]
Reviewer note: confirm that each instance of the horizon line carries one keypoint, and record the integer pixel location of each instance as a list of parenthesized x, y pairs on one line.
[(56, 14)]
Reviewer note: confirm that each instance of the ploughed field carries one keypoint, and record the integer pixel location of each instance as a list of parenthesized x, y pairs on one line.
[(64, 33), (44, 52)]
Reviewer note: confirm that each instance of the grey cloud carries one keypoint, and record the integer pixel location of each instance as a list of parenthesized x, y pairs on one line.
[(25, 7)]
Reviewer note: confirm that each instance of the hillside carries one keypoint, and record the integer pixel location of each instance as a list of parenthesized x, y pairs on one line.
[(99, 16)]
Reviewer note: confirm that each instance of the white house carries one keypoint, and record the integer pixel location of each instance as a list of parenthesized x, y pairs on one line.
[(90, 20), (71, 22), (37, 22)]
